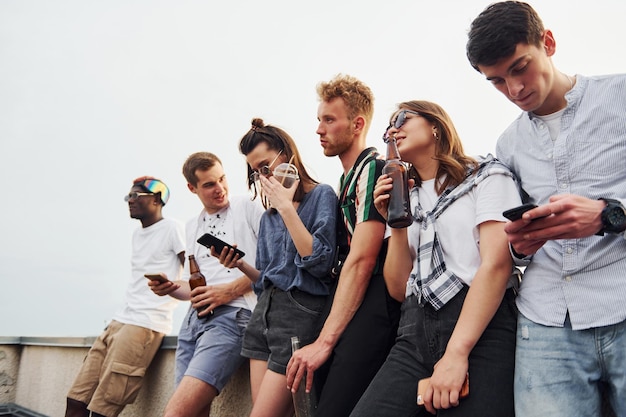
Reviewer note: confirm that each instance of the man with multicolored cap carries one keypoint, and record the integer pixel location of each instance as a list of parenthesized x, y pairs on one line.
[(112, 373)]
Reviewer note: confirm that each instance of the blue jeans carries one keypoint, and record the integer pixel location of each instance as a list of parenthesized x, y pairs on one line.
[(560, 371), (423, 335)]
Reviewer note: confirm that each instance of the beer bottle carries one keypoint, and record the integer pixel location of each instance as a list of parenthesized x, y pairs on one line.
[(399, 209), (304, 403), (196, 279)]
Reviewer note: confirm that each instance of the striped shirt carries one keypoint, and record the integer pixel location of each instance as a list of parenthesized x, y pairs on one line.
[(583, 277), (356, 195)]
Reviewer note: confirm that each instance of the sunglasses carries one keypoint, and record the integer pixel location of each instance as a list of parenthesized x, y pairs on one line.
[(401, 118), (135, 196), (265, 170)]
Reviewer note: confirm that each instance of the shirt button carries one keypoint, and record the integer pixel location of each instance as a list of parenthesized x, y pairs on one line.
[(564, 185), (569, 250), (568, 278)]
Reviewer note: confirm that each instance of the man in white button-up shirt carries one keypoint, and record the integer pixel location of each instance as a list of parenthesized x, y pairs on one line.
[(568, 149)]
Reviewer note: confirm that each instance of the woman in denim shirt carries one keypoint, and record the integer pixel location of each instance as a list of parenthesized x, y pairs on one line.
[(295, 252)]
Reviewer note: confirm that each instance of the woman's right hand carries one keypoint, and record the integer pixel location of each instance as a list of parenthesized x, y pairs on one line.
[(381, 194)]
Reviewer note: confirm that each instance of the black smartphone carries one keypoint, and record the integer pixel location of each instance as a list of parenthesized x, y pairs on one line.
[(516, 212), (209, 240)]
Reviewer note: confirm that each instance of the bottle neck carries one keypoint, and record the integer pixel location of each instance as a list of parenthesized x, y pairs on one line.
[(295, 344), (392, 149), (193, 265)]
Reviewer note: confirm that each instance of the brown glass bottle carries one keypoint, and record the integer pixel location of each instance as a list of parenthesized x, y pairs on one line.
[(399, 209), (196, 279)]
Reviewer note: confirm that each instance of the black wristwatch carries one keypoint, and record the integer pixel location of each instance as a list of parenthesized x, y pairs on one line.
[(613, 217)]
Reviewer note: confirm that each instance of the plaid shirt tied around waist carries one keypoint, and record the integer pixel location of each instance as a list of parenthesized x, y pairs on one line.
[(434, 283)]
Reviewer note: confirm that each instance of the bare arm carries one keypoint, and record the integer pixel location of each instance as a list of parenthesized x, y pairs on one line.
[(177, 289), (230, 259), (398, 266), (396, 271), (482, 301), (353, 282)]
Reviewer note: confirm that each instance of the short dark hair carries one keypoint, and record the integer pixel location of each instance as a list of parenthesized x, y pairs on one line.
[(496, 32), (202, 161)]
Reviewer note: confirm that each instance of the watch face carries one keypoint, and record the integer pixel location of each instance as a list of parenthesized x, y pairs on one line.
[(614, 217), (617, 217)]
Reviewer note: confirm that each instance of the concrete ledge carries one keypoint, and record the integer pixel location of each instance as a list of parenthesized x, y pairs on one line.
[(14, 410), (169, 342), (36, 373)]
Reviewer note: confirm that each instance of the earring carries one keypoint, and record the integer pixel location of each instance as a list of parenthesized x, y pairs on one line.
[(435, 134)]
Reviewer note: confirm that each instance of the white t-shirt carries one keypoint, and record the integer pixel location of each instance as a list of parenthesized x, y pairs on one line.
[(154, 249), (457, 226), (236, 224)]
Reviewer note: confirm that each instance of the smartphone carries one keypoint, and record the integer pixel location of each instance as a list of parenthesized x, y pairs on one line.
[(209, 240), (423, 384), (516, 212), (156, 276)]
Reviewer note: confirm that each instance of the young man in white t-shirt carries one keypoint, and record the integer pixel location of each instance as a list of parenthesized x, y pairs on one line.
[(113, 370), (209, 341)]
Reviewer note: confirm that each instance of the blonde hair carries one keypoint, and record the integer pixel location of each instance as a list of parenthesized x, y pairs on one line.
[(356, 95)]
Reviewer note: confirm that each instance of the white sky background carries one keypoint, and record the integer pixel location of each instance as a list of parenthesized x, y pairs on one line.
[(95, 94)]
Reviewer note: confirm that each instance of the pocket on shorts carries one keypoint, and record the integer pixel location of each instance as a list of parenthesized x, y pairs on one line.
[(243, 318), (124, 383), (312, 304)]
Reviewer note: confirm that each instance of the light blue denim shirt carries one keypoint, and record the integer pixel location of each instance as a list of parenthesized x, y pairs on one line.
[(585, 277), (277, 257)]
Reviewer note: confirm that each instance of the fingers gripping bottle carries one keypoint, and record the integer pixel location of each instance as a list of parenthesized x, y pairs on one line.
[(304, 402)]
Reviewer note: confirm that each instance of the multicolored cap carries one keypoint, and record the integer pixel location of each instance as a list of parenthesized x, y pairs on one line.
[(154, 185)]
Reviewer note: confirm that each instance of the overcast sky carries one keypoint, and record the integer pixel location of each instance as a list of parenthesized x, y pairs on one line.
[(96, 93)]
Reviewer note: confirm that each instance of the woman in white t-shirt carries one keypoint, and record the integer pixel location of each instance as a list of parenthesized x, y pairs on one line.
[(451, 268)]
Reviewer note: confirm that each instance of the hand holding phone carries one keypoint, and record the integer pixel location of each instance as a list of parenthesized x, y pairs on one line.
[(516, 212), (209, 240), (156, 276), (422, 386)]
